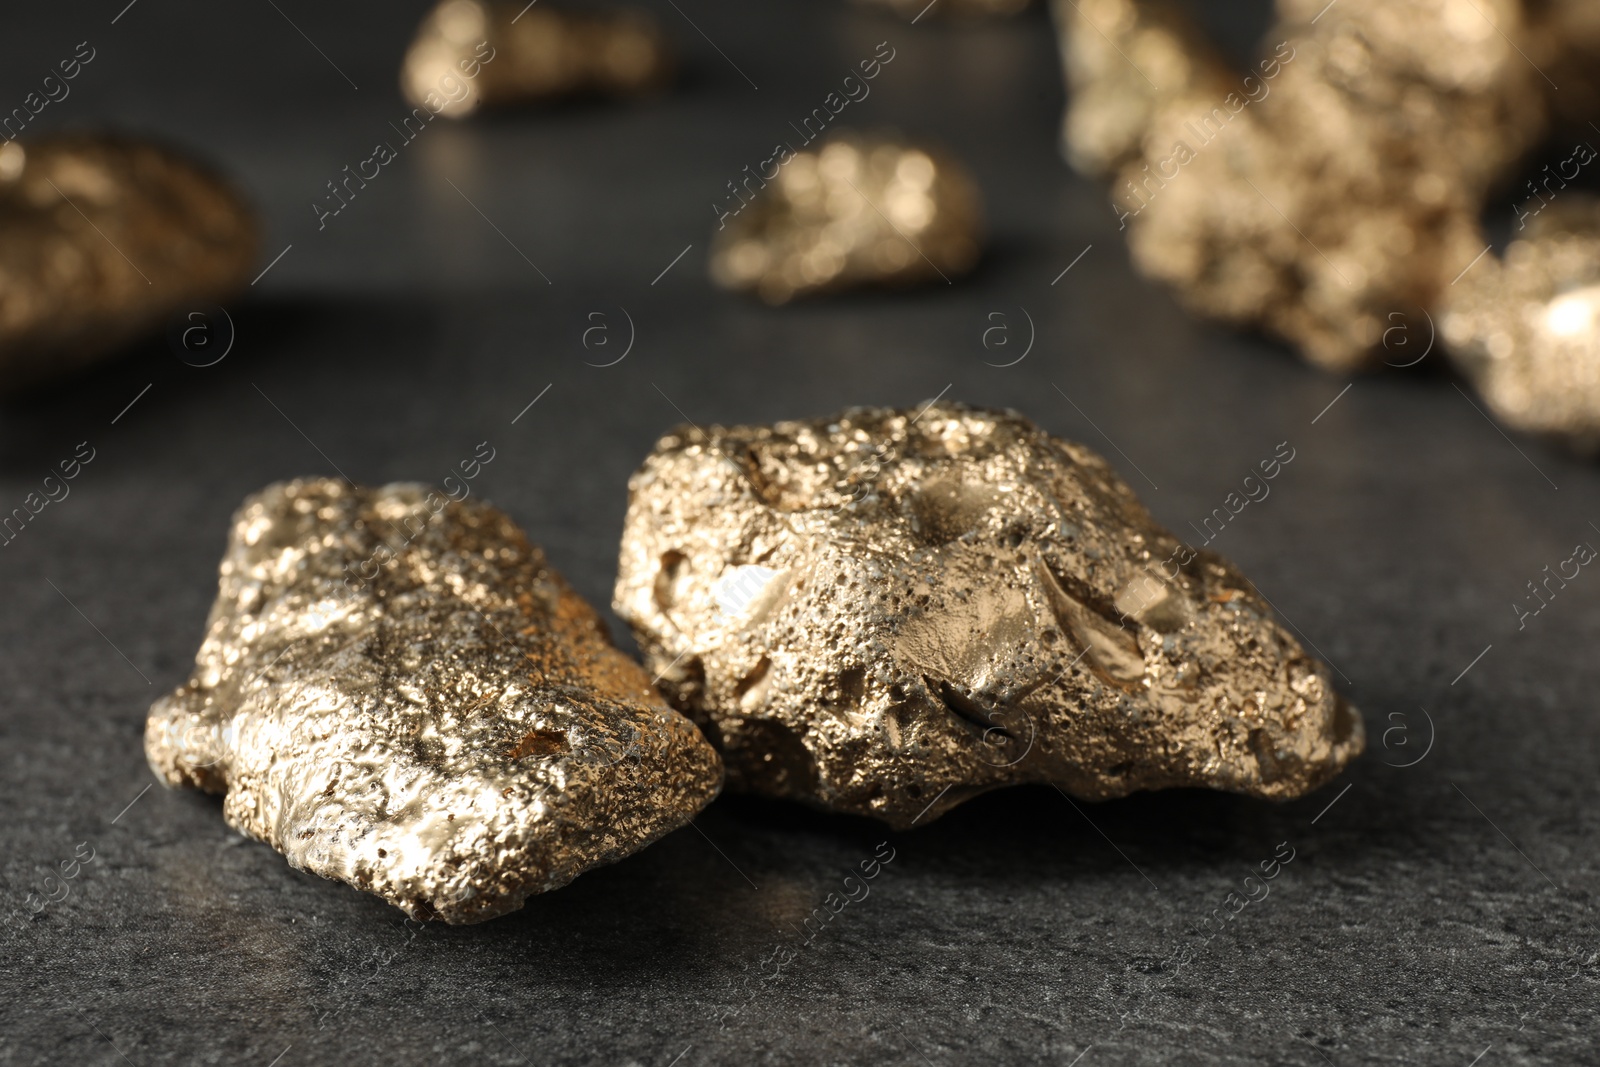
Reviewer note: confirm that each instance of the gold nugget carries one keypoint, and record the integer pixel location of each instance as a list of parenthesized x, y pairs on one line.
[(1526, 329), (889, 612), (102, 239), (857, 211), (1336, 182), (398, 692), (471, 53)]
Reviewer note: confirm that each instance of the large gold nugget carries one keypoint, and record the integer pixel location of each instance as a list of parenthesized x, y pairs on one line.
[(1337, 182), (102, 239), (398, 692), (858, 211), (471, 53), (1526, 329), (887, 613)]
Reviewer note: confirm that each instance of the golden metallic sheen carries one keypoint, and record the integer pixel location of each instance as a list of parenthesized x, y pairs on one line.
[(888, 612), (858, 211), (398, 692), (1338, 180), (1526, 329), (470, 54), (102, 239)]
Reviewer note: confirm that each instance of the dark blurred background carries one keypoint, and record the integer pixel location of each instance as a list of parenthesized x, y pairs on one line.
[(1435, 912)]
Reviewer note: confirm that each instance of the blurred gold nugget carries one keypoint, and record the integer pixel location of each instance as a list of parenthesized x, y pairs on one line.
[(951, 9), (1339, 180), (1526, 328), (101, 240), (470, 54), (858, 211)]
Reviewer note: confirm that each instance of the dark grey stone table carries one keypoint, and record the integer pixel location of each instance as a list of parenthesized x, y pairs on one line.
[(1432, 913)]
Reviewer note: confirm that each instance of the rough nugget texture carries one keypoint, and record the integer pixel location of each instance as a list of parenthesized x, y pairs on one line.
[(885, 613), (104, 239), (398, 692)]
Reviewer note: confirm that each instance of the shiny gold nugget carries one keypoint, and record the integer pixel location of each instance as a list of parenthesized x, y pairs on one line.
[(858, 211), (470, 54), (1526, 329), (887, 614), (102, 239), (398, 692)]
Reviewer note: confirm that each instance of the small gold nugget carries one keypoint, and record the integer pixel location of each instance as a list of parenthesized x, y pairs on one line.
[(470, 54), (398, 692), (102, 239), (858, 211), (1526, 330), (888, 613), (1335, 183)]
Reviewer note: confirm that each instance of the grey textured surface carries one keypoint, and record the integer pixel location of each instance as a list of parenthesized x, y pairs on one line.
[(1414, 924)]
